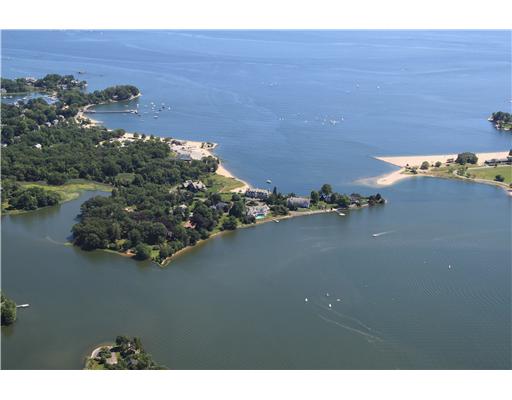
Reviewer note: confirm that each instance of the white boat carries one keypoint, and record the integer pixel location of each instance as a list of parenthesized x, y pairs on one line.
[(275, 220), (375, 235), (22, 305), (330, 305), (306, 299), (269, 181), (341, 214)]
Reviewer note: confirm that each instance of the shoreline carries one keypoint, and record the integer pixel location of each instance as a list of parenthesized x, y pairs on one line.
[(95, 122), (293, 214), (199, 150), (403, 162)]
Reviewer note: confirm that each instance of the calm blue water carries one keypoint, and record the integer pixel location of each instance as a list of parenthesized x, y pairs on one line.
[(268, 97), (238, 301)]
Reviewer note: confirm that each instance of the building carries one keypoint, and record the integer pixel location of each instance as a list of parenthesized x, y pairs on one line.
[(194, 186), (184, 157), (38, 146), (499, 161), (300, 202), (257, 193), (221, 206), (260, 211)]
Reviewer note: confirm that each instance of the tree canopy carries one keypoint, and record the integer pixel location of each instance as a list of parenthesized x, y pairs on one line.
[(8, 310), (466, 158)]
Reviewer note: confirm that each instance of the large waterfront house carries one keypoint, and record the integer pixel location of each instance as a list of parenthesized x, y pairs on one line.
[(300, 202), (194, 186), (259, 211), (262, 194)]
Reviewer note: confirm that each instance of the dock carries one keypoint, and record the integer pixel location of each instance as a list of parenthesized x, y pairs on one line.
[(111, 112)]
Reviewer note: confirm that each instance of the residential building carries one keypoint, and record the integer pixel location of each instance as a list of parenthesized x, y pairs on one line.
[(257, 193), (194, 186), (300, 202)]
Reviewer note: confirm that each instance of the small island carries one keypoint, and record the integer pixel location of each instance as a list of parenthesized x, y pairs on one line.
[(502, 120), (124, 354)]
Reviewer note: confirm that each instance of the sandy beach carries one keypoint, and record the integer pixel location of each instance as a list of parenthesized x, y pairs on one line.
[(415, 161), (412, 161)]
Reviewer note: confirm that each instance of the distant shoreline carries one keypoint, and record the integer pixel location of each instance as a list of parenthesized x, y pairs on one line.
[(405, 162)]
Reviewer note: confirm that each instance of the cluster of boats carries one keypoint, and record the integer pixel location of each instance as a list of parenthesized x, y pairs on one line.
[(155, 109)]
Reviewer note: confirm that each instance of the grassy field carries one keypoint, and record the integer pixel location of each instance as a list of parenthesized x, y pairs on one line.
[(490, 173), (70, 190), (218, 183)]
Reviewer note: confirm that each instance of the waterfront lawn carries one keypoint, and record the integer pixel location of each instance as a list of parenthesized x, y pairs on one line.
[(221, 184), (489, 173)]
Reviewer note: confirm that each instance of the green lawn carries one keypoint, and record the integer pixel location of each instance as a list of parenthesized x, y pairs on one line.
[(218, 183), (70, 190), (490, 173)]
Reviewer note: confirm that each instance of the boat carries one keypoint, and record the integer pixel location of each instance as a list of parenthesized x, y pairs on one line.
[(155, 116), (375, 235), (306, 299), (275, 220), (22, 305), (330, 305), (341, 214), (269, 181)]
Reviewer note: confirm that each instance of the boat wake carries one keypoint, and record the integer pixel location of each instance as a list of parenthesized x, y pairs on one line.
[(381, 233), (341, 320)]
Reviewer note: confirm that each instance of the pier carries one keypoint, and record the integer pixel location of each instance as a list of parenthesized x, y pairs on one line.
[(111, 112)]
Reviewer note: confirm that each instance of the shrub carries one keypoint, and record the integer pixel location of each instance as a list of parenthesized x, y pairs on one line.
[(142, 251), (230, 223), (425, 165)]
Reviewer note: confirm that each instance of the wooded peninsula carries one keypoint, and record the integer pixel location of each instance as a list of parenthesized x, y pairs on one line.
[(160, 202)]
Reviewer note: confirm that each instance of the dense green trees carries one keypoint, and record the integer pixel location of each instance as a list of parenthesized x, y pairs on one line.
[(8, 310), (499, 178), (230, 223), (142, 251), (16, 197), (466, 158)]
